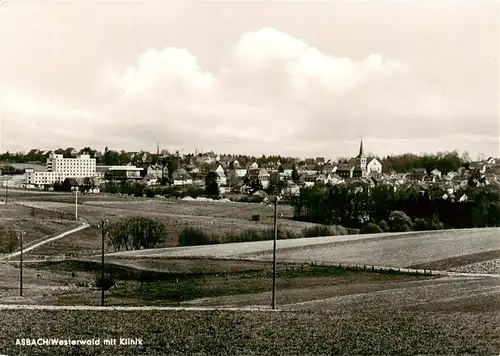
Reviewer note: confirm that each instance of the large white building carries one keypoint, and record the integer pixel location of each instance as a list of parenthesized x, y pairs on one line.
[(60, 168)]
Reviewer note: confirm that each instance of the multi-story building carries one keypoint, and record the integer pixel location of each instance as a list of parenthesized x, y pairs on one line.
[(59, 168)]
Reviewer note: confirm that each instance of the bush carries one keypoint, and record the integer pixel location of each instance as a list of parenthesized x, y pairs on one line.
[(400, 222), (323, 230), (256, 217), (108, 281), (420, 224), (150, 193), (384, 226), (351, 231), (251, 199), (191, 236), (371, 228), (316, 231)]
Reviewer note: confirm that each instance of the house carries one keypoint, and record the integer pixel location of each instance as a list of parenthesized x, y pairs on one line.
[(84, 185), (181, 177), (374, 166), (436, 173), (240, 172), (33, 152), (252, 165), (236, 164), (291, 190), (309, 162), (345, 171), (335, 179), (221, 176), (320, 161), (491, 160), (114, 173)]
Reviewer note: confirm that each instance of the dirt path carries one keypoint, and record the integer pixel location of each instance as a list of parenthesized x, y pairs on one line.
[(60, 236)]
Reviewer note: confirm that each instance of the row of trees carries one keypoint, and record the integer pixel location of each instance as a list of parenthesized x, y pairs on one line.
[(445, 162), (356, 206), (135, 233)]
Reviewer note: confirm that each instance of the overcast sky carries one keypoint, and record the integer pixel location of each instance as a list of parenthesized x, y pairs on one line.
[(302, 79)]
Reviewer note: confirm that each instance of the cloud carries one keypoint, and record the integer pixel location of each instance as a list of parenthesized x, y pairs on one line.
[(274, 93)]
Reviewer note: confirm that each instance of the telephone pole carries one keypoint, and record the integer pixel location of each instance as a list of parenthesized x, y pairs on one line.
[(21, 263), (102, 263)]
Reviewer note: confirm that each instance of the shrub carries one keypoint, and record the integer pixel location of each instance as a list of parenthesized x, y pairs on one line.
[(107, 282), (150, 193), (384, 226), (256, 217), (371, 228), (420, 224), (351, 231), (316, 231), (191, 236), (399, 222), (323, 230)]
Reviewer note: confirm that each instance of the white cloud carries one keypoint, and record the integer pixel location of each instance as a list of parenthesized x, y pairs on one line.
[(275, 91)]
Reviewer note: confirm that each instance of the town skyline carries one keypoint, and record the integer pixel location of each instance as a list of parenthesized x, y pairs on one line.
[(245, 78)]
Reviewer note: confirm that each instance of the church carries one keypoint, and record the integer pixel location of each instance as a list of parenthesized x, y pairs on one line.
[(362, 168)]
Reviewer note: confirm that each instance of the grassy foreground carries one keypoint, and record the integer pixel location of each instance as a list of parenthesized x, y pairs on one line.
[(253, 333)]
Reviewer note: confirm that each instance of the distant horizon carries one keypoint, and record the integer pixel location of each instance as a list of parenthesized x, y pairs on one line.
[(478, 157)]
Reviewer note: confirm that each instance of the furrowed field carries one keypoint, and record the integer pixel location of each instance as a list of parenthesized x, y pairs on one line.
[(243, 333)]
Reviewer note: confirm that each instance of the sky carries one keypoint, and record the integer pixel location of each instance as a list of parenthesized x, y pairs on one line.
[(289, 78)]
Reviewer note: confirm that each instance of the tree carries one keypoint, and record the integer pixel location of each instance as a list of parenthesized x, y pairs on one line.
[(399, 222), (211, 184), (8, 239), (295, 175), (135, 233)]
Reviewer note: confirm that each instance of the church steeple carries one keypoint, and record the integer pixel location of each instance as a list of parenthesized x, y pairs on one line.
[(361, 151)]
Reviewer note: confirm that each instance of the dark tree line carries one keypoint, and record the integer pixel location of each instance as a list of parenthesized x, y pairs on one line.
[(356, 206), (445, 162)]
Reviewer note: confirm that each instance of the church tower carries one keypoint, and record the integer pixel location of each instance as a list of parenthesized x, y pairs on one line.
[(361, 160)]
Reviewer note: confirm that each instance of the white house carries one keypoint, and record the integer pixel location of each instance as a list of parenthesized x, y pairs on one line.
[(240, 172), (374, 166), (222, 179), (436, 173)]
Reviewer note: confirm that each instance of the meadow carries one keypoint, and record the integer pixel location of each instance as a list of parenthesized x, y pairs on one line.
[(213, 218)]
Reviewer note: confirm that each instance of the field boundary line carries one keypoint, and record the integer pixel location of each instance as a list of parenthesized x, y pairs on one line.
[(130, 308)]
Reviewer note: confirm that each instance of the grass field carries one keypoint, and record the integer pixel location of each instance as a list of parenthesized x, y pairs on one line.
[(38, 227), (411, 250), (255, 333), (213, 218), (174, 281)]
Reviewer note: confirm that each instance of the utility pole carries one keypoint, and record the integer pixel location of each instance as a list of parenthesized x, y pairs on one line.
[(275, 239), (76, 203), (102, 263), (21, 264), (6, 190)]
